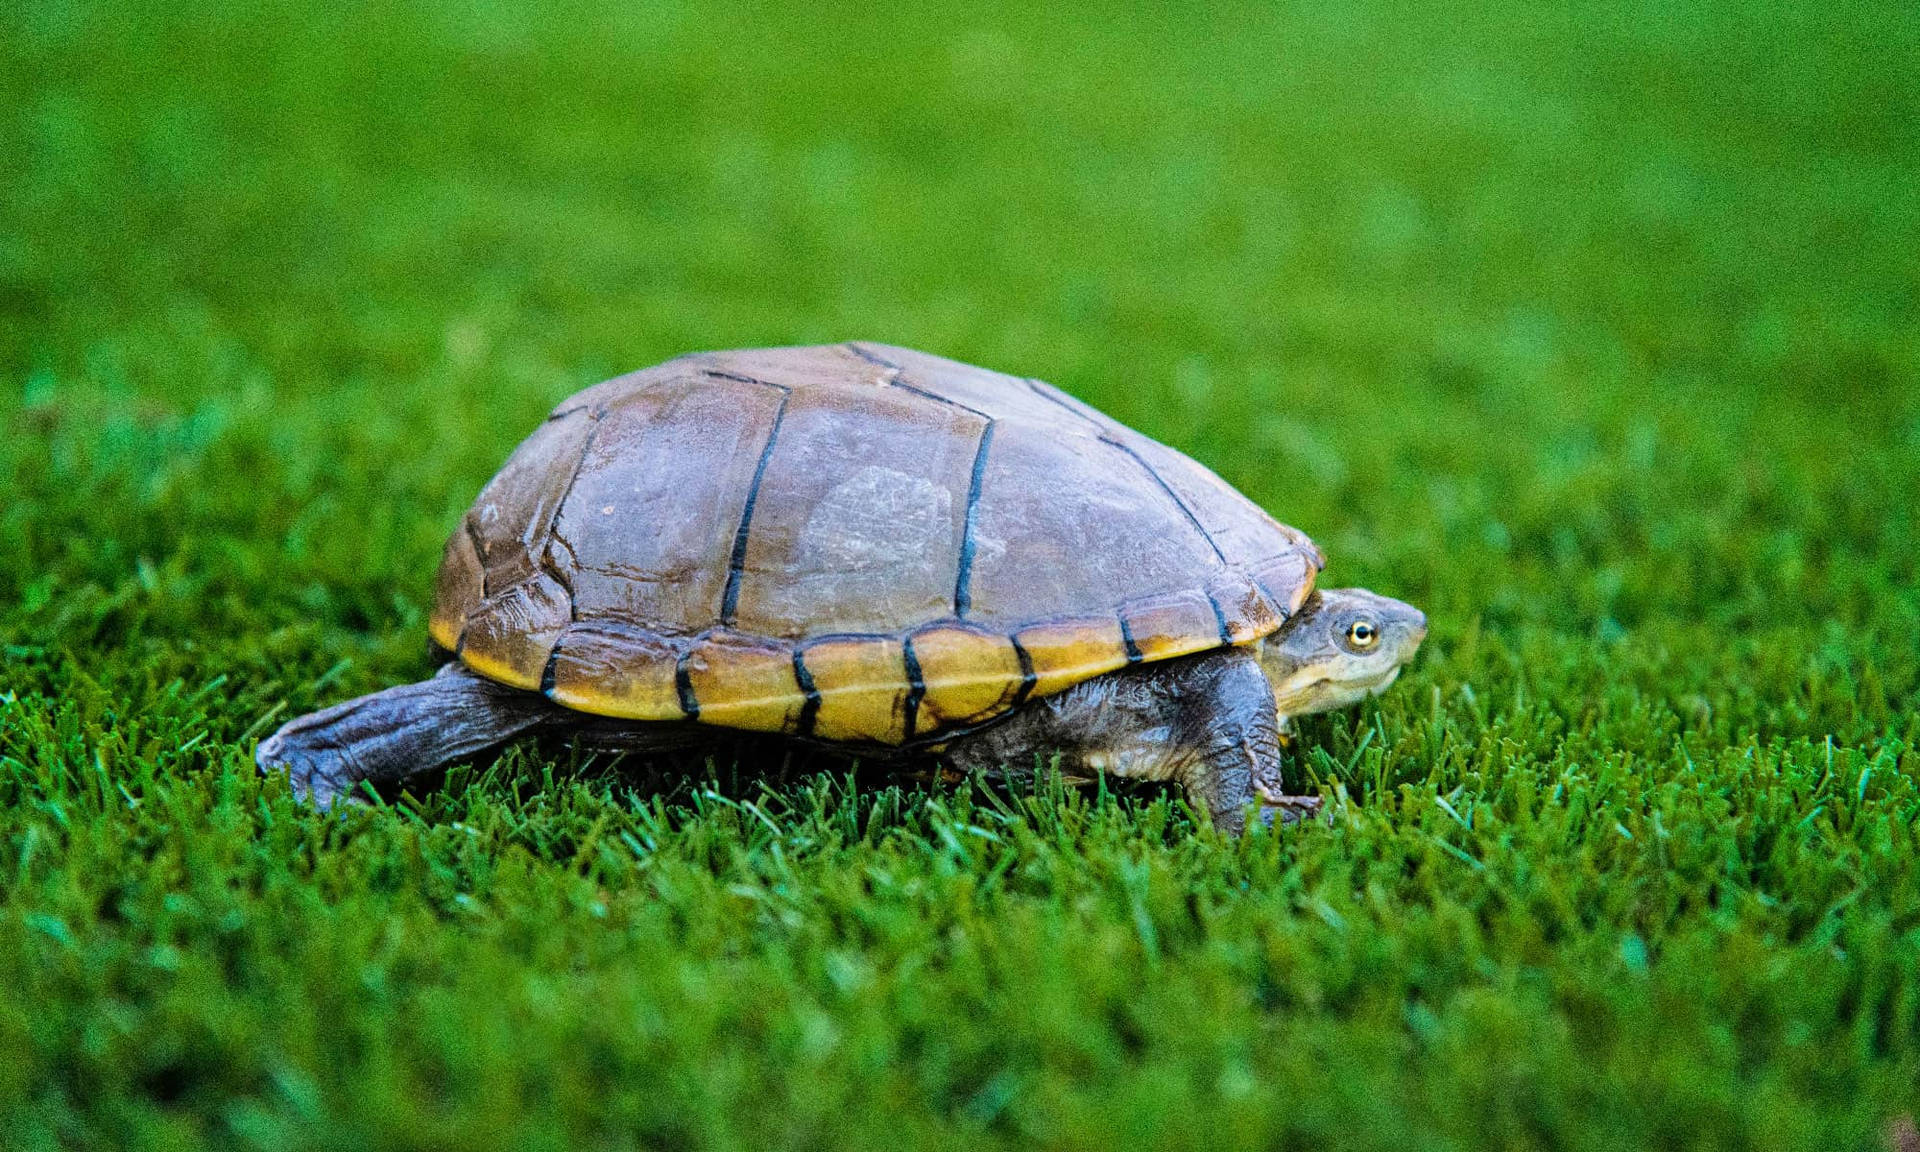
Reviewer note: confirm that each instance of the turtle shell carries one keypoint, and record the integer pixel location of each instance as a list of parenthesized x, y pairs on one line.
[(850, 543)]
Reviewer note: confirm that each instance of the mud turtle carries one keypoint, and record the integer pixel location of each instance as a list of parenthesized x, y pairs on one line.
[(875, 549)]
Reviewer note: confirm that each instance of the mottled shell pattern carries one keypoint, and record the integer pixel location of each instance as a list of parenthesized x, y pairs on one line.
[(852, 543)]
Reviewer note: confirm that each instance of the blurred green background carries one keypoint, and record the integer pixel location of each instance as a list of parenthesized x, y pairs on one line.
[(1589, 328)]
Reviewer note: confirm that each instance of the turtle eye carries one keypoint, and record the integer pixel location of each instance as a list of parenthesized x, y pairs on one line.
[(1362, 635)]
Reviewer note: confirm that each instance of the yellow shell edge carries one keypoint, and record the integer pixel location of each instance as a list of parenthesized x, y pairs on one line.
[(1066, 652), (863, 689), (970, 676), (500, 671), (444, 632), (737, 683)]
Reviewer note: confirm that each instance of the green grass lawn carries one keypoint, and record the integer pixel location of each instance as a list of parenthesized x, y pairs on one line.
[(1592, 330)]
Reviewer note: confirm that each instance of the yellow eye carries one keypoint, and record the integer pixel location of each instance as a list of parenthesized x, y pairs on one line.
[(1362, 634)]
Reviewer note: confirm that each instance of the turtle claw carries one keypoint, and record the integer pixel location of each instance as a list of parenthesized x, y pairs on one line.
[(314, 790), (325, 793), (1288, 809)]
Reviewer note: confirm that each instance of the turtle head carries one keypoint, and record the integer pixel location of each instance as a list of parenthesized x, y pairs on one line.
[(1344, 645)]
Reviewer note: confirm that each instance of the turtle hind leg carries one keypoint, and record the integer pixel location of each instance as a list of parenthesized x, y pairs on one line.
[(1206, 722), (390, 736)]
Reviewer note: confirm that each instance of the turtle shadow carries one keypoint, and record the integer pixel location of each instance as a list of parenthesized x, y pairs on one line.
[(740, 768)]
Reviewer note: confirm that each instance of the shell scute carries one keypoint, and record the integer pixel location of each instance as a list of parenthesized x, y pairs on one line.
[(1174, 625), (1249, 611), (610, 669), (1065, 652), (968, 676), (1288, 578), (1069, 524), (512, 515), (857, 520), (458, 584), (862, 687), (511, 634), (743, 681), (650, 543)]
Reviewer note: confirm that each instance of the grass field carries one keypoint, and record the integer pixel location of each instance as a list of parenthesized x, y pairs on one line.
[(1593, 331)]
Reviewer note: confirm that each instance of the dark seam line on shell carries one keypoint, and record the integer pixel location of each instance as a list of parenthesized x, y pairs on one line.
[(1027, 677), (1038, 388), (719, 374), (962, 591), (939, 399), (683, 685), (736, 564), (869, 357), (466, 525), (1285, 613), (553, 514), (916, 685), (545, 563), (554, 537), (559, 577), (1279, 604), (1134, 655), (573, 608), (1220, 615), (546, 674), (963, 578), (810, 711), (1171, 495), (842, 637)]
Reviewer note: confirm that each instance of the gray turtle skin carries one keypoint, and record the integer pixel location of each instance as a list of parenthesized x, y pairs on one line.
[(1210, 722)]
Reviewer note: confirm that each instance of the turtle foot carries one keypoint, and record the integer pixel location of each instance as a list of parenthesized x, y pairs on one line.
[(1288, 809), (314, 781)]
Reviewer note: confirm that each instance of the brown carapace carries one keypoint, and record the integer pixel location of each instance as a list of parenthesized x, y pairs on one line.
[(852, 543)]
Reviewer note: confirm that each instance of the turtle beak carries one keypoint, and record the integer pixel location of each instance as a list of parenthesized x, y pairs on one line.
[(1416, 631)]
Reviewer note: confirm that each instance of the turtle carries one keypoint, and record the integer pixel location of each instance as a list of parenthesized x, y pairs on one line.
[(877, 551)]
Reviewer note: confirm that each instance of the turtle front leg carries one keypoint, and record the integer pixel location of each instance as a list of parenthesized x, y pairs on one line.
[(1205, 721), (390, 736), (1228, 722)]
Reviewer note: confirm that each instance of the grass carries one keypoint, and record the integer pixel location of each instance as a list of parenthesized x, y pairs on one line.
[(1593, 331)]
